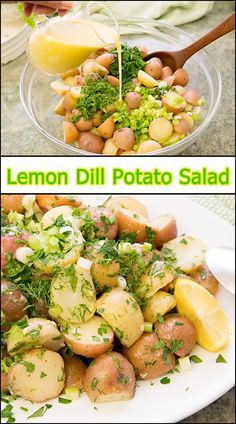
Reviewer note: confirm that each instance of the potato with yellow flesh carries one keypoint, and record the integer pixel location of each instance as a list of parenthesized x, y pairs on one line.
[(159, 304), (38, 376), (50, 217), (74, 375), (188, 253), (60, 87), (174, 102), (160, 129), (123, 314), (157, 275), (131, 222), (126, 202), (12, 202), (73, 295), (166, 229), (110, 378), (59, 108), (90, 339), (109, 148), (93, 67), (148, 146), (105, 273), (107, 128), (71, 134), (50, 201), (69, 102), (147, 80)]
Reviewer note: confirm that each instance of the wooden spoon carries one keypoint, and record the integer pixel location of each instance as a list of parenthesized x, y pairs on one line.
[(178, 58)]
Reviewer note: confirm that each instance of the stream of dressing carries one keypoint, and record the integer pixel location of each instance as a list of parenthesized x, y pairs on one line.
[(118, 47)]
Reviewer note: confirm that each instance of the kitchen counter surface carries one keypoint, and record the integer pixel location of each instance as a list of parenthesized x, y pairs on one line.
[(19, 137)]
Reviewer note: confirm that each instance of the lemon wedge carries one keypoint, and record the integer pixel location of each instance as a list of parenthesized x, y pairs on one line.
[(203, 310)]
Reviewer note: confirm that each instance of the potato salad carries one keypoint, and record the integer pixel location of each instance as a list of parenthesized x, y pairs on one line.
[(95, 298), (157, 107)]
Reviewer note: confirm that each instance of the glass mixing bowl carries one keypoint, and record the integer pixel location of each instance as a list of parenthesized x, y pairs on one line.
[(39, 100)]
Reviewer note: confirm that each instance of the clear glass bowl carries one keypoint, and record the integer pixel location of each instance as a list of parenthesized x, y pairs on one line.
[(39, 101)]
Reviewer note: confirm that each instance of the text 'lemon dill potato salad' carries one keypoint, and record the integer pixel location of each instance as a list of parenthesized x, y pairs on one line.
[(95, 298), (157, 108)]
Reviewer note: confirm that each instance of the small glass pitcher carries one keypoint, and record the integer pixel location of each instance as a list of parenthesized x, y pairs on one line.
[(59, 45)]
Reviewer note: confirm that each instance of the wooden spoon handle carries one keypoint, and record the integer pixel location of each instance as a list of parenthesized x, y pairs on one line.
[(221, 29)]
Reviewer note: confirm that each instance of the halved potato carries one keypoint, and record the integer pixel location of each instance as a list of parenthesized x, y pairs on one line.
[(38, 376), (107, 128), (59, 108), (160, 303), (12, 202), (104, 273), (109, 148), (123, 314), (38, 332), (158, 275), (60, 87), (146, 80), (90, 339), (189, 253), (110, 378), (71, 134), (51, 216), (131, 222), (126, 202), (73, 295), (166, 229), (174, 102), (74, 374), (49, 201)]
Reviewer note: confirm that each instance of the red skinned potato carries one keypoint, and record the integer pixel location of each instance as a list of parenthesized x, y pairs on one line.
[(181, 77), (97, 119), (74, 373), (133, 100), (148, 357), (69, 102), (182, 127), (49, 201), (178, 333), (107, 128), (154, 68), (143, 50), (90, 339), (174, 102), (204, 277), (9, 244), (166, 72), (4, 382), (124, 138), (90, 142), (166, 229), (12, 202), (110, 378), (131, 222), (106, 225), (13, 302), (83, 125), (71, 134), (191, 96), (127, 202), (106, 59), (113, 81)]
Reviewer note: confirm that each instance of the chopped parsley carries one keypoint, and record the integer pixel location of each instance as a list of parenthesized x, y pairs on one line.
[(64, 400), (195, 359), (221, 359), (41, 411), (176, 345), (183, 241), (132, 63), (29, 366), (94, 383), (42, 375), (71, 273), (150, 235), (159, 345), (160, 318), (165, 380)]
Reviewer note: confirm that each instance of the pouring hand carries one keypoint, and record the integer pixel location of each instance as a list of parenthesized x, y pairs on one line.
[(47, 7)]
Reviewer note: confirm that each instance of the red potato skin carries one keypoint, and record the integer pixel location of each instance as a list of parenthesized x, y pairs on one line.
[(4, 382), (125, 225), (12, 202), (94, 144), (148, 364), (108, 372), (49, 201), (205, 278), (9, 245), (104, 230), (74, 373), (169, 331), (167, 233), (13, 302)]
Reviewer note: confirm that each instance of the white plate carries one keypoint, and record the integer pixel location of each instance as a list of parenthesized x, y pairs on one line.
[(187, 392)]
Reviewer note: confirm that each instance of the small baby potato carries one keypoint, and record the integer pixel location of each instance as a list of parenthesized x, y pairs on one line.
[(90, 142), (124, 138), (160, 303), (174, 102), (174, 138), (69, 102), (12, 202), (71, 73), (60, 87), (50, 217), (169, 80), (180, 90), (38, 376), (13, 302), (165, 229), (59, 108), (130, 222), (191, 96), (38, 332), (90, 339), (182, 127), (166, 72), (143, 50), (75, 92), (156, 276), (68, 116), (110, 378), (97, 119), (74, 373), (186, 117), (153, 68), (148, 358), (148, 146), (146, 80), (49, 201), (71, 134), (123, 314), (109, 148), (79, 80), (105, 60), (126, 202), (105, 222), (133, 100), (104, 273), (83, 125), (181, 77), (92, 67), (70, 81), (107, 128), (4, 382), (189, 253), (113, 81), (204, 277), (110, 108), (160, 129), (178, 333), (9, 244)]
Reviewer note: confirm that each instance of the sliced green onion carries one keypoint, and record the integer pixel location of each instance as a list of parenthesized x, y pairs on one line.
[(148, 327)]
